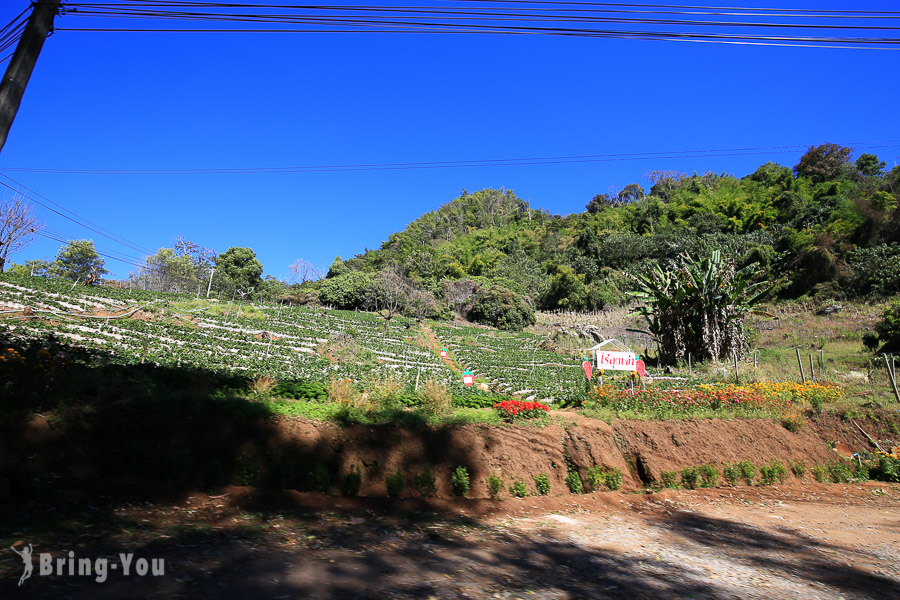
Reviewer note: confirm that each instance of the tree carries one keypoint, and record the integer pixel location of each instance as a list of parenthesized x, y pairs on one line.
[(697, 307), (304, 271), (823, 163), (166, 271), (631, 193), (337, 268), (868, 164), (601, 202), (347, 291), (389, 294), (566, 290), (79, 261), (237, 269), (18, 226), (501, 308)]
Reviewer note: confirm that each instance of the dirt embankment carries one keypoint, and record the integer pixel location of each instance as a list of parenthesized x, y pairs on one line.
[(180, 455)]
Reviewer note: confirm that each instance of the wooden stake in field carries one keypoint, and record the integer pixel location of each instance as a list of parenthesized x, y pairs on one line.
[(800, 363), (737, 377), (812, 369)]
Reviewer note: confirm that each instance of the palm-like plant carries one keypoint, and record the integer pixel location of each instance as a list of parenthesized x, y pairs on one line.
[(698, 307)]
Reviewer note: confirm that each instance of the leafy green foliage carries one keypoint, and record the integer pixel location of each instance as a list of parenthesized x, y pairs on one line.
[(731, 473), (574, 483), (459, 482), (500, 308), (698, 306), (78, 261), (690, 477), (610, 477), (669, 479), (350, 483), (394, 483), (237, 269), (517, 488), (425, 483), (495, 486), (748, 471), (542, 484), (709, 475)]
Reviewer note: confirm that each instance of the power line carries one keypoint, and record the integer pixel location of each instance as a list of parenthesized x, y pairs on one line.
[(83, 222), (520, 17), (491, 162)]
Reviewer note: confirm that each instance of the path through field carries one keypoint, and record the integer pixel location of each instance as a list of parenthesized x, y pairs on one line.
[(799, 541)]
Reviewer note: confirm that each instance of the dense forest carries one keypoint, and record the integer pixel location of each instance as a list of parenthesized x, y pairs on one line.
[(828, 228)]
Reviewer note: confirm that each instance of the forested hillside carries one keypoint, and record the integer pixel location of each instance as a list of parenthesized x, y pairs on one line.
[(828, 227)]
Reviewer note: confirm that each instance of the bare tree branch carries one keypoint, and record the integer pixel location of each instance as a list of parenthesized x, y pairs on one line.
[(18, 226)]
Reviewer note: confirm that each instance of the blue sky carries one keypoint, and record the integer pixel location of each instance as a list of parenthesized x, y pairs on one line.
[(121, 101)]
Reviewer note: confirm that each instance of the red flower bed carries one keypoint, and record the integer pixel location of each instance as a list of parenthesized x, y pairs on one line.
[(511, 410)]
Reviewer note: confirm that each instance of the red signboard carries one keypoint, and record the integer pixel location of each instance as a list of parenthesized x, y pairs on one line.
[(443, 354), (586, 365), (615, 361), (468, 379), (640, 368)]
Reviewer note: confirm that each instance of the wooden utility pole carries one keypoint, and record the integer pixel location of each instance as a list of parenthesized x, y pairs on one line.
[(39, 26)]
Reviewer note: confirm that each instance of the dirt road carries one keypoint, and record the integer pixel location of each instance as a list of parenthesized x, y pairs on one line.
[(799, 541)]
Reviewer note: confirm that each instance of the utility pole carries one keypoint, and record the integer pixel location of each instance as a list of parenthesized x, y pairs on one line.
[(39, 26)]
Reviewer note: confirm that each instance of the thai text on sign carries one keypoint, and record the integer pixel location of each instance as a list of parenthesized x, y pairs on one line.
[(616, 361)]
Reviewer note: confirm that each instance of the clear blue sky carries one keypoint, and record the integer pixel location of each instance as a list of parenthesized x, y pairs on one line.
[(122, 101)]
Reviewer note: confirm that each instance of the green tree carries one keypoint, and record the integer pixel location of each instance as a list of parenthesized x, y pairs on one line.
[(823, 163), (698, 306), (237, 269), (337, 268), (79, 261), (566, 290), (501, 308), (346, 291), (868, 164), (167, 272)]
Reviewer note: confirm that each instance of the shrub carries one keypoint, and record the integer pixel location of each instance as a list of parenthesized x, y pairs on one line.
[(301, 390), (319, 479), (606, 476), (350, 483), (500, 308), (425, 483), (542, 484), (798, 468), (394, 484), (573, 481), (766, 475), (731, 473), (839, 472), (262, 387), (385, 394), (861, 471), (886, 469), (495, 486), (436, 398), (345, 393), (819, 473), (247, 469), (669, 479), (748, 471), (689, 477), (779, 471), (709, 475), (793, 422), (459, 482), (517, 489)]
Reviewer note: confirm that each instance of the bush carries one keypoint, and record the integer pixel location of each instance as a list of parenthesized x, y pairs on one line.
[(573, 481), (516, 410), (709, 475), (766, 475), (425, 483), (689, 477), (500, 308), (669, 479), (319, 479), (819, 474), (301, 390), (459, 482), (606, 476), (886, 469), (860, 471), (351, 482), (840, 472), (518, 489), (748, 471), (495, 486), (731, 473), (394, 483), (798, 468), (542, 484), (435, 398), (888, 328)]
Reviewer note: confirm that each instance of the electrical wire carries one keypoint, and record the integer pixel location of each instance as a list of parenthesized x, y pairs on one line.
[(490, 162), (578, 19), (75, 218)]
